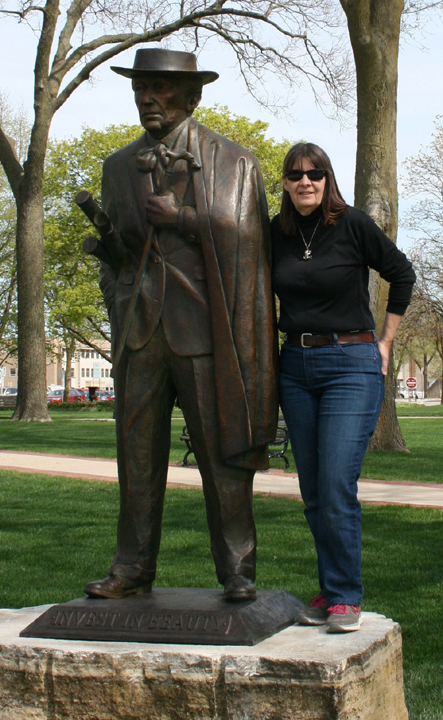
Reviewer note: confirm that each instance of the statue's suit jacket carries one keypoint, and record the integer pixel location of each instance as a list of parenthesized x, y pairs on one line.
[(235, 246)]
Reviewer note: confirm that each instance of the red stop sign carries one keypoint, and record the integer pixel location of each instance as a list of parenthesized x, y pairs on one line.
[(411, 383)]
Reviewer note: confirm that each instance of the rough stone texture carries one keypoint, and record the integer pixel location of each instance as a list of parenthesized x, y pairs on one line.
[(298, 674)]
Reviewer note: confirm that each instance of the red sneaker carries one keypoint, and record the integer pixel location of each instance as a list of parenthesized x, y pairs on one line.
[(343, 618), (315, 614)]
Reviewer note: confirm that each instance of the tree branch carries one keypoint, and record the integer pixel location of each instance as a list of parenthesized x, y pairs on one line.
[(417, 6), (7, 309), (10, 162), (98, 329), (44, 48), (125, 41), (23, 13), (74, 13), (89, 343)]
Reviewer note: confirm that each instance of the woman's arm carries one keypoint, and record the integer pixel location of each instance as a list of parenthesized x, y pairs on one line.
[(387, 335)]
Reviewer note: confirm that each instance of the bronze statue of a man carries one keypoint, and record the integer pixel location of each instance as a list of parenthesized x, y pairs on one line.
[(191, 318)]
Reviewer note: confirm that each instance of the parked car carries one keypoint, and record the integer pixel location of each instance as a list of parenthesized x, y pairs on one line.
[(104, 395), (56, 396), (9, 391), (74, 396), (413, 394), (78, 395)]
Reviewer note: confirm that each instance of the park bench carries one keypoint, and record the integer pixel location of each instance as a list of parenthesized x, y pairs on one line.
[(277, 449), (8, 401)]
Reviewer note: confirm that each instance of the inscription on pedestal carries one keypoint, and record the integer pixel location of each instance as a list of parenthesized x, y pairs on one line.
[(183, 622), (170, 615)]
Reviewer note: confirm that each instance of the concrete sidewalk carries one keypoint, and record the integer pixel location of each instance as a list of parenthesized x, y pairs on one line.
[(273, 482)]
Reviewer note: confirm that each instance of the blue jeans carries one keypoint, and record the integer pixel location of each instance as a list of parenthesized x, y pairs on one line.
[(331, 399)]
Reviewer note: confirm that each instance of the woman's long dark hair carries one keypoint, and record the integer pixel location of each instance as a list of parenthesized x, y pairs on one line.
[(333, 204)]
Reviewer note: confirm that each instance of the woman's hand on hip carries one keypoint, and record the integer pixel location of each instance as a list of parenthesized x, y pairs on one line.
[(387, 335), (384, 350)]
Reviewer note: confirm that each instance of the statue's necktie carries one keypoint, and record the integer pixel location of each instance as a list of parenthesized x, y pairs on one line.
[(159, 161), (149, 160)]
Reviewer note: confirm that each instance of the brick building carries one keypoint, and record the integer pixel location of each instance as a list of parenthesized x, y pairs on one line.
[(88, 369)]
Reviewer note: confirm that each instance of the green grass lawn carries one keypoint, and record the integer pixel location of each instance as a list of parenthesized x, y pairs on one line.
[(65, 435), (89, 435), (424, 463), (412, 409), (57, 534)]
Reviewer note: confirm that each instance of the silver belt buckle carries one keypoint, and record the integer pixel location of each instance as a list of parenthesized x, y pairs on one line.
[(303, 335)]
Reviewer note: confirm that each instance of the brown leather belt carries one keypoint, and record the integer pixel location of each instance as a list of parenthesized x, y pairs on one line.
[(309, 340)]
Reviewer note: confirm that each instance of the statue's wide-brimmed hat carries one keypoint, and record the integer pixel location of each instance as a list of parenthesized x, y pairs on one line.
[(152, 61)]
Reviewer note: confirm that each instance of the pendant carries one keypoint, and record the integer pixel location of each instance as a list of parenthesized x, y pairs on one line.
[(307, 255)]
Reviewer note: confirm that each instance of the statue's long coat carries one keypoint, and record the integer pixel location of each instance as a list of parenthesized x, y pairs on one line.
[(234, 233)]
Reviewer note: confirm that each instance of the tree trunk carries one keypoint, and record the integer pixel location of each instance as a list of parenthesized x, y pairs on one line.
[(395, 382), (69, 350), (425, 375), (374, 29), (31, 399)]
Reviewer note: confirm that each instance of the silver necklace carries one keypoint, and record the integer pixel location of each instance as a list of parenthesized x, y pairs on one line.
[(308, 254)]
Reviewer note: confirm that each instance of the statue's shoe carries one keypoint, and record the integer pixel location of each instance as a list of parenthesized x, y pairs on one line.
[(116, 587), (238, 588)]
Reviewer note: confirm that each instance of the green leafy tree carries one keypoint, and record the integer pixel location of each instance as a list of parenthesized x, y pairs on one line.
[(251, 135), (75, 310)]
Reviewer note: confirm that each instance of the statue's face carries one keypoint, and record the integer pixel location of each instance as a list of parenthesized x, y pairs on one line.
[(163, 103)]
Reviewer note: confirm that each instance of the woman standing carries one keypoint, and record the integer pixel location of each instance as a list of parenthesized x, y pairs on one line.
[(331, 365)]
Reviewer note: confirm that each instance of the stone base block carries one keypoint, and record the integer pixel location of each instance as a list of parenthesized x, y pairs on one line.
[(298, 674)]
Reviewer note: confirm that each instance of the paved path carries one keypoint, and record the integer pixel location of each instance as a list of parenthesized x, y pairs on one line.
[(273, 482)]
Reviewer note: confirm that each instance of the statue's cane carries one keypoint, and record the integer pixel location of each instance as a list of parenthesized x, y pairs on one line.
[(167, 158)]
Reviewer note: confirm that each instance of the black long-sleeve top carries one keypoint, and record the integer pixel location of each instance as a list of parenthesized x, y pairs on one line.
[(329, 293)]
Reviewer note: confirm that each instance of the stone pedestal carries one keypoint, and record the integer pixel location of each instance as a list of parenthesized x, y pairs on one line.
[(298, 674), (194, 616)]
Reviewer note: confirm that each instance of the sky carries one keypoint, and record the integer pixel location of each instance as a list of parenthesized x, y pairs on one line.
[(109, 100)]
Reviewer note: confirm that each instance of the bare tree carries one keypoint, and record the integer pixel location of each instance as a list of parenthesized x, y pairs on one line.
[(424, 220), (424, 181), (429, 296), (416, 338), (402, 343), (75, 39)]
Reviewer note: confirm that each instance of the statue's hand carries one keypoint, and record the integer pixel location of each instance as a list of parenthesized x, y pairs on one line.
[(162, 211)]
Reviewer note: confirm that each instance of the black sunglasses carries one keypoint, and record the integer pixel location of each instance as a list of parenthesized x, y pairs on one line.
[(314, 174)]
